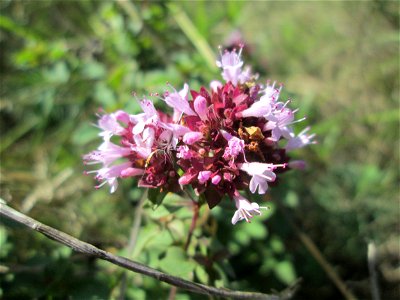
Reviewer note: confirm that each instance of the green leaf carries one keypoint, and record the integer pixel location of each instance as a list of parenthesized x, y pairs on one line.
[(255, 229), (5, 246), (59, 73), (177, 263), (156, 196), (277, 245), (201, 275), (93, 70), (292, 200), (104, 95), (285, 272)]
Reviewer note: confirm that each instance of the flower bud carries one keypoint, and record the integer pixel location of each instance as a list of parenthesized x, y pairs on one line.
[(216, 179), (297, 164), (200, 106), (192, 137), (215, 85), (130, 172), (204, 176)]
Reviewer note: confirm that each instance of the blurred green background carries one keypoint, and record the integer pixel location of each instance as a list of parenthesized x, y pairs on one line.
[(62, 60)]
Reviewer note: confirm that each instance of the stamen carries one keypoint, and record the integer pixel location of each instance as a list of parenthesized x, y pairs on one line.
[(265, 207), (90, 172), (284, 165), (296, 121), (305, 130), (240, 51), (286, 103), (100, 185), (243, 212)]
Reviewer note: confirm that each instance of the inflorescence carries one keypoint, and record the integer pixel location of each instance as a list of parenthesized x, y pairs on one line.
[(234, 136)]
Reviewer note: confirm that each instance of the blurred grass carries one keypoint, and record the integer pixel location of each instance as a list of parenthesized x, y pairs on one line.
[(339, 62)]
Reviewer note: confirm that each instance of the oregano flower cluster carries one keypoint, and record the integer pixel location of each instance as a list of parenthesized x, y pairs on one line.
[(231, 137)]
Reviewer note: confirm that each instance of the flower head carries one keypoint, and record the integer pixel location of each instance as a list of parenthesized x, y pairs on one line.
[(218, 141)]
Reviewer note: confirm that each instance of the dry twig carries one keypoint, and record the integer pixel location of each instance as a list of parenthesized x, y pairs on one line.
[(88, 249)]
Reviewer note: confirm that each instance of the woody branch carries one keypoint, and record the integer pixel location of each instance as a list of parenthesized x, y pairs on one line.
[(88, 249)]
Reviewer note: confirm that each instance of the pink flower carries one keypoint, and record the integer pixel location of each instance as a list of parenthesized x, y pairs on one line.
[(216, 179), (228, 176), (110, 125), (171, 134), (231, 66), (148, 117), (261, 173), (187, 177), (297, 164), (271, 92), (301, 140), (192, 137), (280, 124), (245, 209), (215, 85), (228, 138), (143, 143), (200, 106), (264, 106), (184, 152), (179, 102), (257, 109), (109, 174), (131, 172), (107, 153), (235, 146), (204, 176)]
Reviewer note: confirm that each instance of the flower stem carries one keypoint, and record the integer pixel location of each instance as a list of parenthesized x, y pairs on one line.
[(196, 208)]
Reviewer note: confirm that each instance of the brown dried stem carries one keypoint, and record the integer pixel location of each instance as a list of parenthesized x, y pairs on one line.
[(88, 249)]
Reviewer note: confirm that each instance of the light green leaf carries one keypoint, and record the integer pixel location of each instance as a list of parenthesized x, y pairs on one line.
[(201, 274), (177, 263), (285, 272), (93, 70)]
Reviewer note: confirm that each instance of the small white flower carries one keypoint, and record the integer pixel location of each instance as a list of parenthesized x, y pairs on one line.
[(231, 65), (264, 106), (261, 108), (245, 209), (262, 173), (301, 140)]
